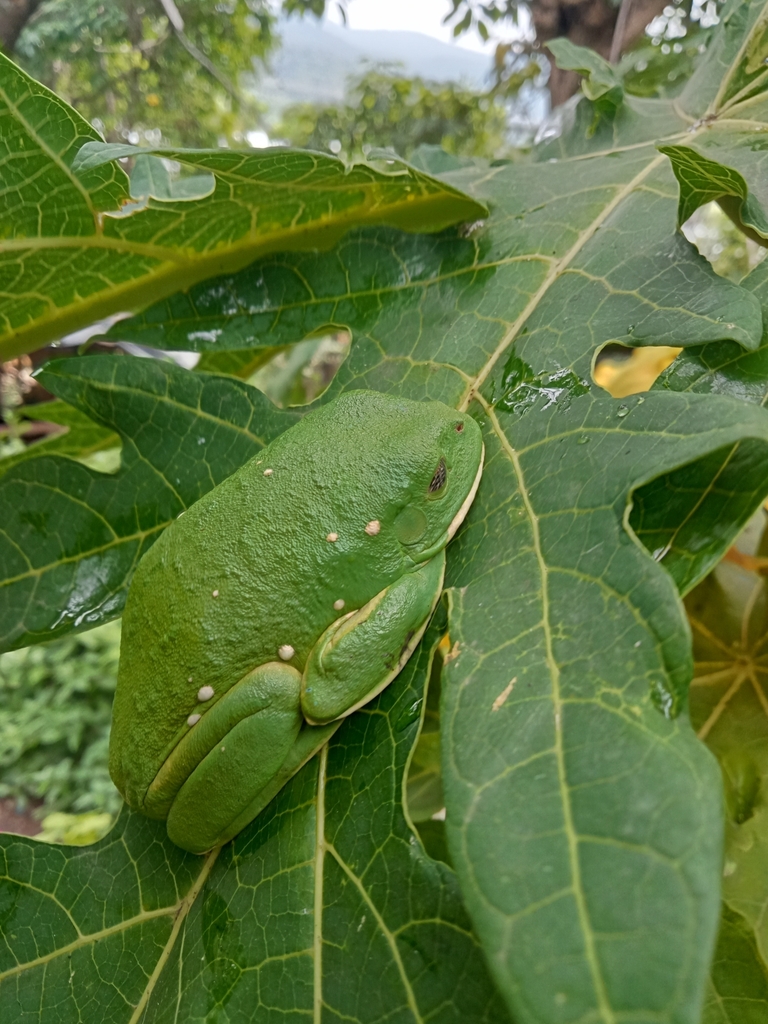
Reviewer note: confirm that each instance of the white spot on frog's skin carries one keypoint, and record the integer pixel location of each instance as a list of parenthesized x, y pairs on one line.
[(215, 593), (193, 719), (205, 693), (286, 652), (338, 605), (373, 527), (190, 679), (332, 537), (268, 472)]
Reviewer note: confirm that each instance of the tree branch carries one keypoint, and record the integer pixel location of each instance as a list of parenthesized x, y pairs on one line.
[(620, 31), (177, 24), (14, 15)]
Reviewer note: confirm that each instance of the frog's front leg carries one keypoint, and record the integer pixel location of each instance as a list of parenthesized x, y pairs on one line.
[(360, 653), (227, 758)]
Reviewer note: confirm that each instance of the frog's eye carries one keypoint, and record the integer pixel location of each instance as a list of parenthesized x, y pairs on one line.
[(437, 483)]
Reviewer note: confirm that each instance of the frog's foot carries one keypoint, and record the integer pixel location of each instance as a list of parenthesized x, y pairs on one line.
[(224, 762), (361, 653)]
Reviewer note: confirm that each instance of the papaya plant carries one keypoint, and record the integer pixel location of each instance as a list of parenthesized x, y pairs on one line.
[(575, 870)]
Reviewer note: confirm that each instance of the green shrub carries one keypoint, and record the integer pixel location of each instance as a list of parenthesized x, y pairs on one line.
[(54, 730)]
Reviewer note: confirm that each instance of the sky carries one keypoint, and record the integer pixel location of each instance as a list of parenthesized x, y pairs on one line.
[(424, 16)]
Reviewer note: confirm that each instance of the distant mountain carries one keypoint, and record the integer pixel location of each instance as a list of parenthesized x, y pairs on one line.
[(316, 59)]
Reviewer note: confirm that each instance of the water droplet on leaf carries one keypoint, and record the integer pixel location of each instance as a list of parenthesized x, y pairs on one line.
[(664, 700)]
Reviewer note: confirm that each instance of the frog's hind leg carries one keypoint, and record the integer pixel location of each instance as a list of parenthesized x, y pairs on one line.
[(308, 742), (228, 758)]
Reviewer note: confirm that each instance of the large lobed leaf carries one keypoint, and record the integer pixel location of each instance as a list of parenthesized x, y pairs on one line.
[(583, 816), (76, 245)]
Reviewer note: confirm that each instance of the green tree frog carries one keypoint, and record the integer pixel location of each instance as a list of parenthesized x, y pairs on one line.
[(280, 602)]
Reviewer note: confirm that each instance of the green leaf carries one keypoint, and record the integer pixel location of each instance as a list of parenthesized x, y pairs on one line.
[(738, 989), (80, 438), (574, 131), (550, 729), (70, 536), (734, 68), (601, 84), (724, 160), (425, 798), (688, 517), (304, 913), (729, 81), (703, 180), (85, 249), (729, 708)]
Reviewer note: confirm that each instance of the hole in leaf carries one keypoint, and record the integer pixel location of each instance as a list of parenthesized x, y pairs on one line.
[(424, 789), (626, 371), (717, 238), (299, 374)]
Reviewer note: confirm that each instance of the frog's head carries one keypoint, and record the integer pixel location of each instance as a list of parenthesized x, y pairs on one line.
[(443, 459)]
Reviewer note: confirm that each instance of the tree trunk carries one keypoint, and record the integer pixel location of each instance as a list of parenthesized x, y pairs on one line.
[(14, 14), (587, 23)]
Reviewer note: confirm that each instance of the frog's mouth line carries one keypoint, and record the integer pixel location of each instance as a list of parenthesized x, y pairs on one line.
[(423, 556)]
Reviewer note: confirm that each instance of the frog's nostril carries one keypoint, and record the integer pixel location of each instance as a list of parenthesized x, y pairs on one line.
[(459, 428)]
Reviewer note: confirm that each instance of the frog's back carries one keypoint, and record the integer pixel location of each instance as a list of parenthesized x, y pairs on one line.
[(260, 565)]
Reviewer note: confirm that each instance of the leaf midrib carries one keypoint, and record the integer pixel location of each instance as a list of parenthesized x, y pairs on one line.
[(181, 909), (87, 939), (179, 272), (604, 1008), (735, 64), (556, 270)]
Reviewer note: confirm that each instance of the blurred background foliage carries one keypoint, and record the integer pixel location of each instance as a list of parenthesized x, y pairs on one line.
[(191, 73), (56, 701), (384, 109), (155, 70)]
